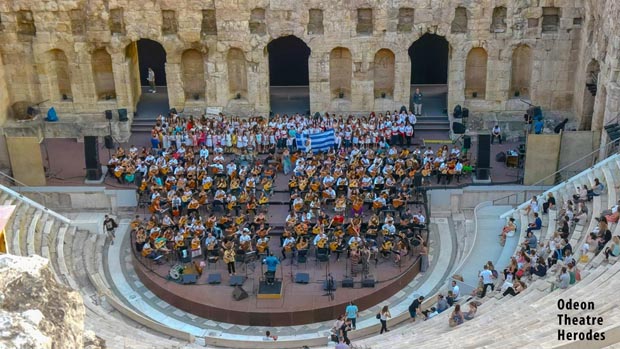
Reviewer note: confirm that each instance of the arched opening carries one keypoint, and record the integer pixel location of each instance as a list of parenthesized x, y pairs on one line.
[(289, 90), (340, 72), (59, 75), (476, 73), (589, 95), (194, 81), (429, 72), (237, 74), (153, 98), (383, 74), (103, 75), (521, 74), (151, 54)]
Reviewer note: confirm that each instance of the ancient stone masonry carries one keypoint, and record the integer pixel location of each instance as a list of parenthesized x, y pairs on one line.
[(216, 53), (35, 310)]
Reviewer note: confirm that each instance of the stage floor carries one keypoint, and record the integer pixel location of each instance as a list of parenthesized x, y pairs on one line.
[(300, 303)]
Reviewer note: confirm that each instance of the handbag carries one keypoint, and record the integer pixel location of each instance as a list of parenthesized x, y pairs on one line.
[(378, 316)]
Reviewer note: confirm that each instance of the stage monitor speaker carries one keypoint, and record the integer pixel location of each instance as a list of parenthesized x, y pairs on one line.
[(109, 142), (108, 115), (484, 151), (368, 283), (458, 112), (189, 279), (500, 157), (239, 293), (467, 142), (122, 115), (458, 128), (465, 113), (302, 278), (347, 283), (91, 157)]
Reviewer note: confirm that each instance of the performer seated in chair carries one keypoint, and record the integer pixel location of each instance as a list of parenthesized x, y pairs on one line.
[(288, 246)]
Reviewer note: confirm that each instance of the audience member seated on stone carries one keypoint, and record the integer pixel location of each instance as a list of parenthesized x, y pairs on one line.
[(456, 292), (430, 313), (596, 190), (518, 287), (574, 274), (582, 213), (442, 303), (536, 225), (582, 194), (471, 313), (540, 269), (456, 318), (549, 204), (531, 242), (566, 210), (613, 249), (604, 238), (562, 281), (611, 215), (532, 206), (512, 268), (564, 227), (450, 298), (270, 337), (509, 228)]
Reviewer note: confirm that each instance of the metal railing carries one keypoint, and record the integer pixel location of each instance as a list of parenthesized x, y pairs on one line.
[(18, 186), (559, 176)]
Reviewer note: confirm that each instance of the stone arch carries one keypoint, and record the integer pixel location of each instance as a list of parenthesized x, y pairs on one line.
[(103, 74), (589, 94), (384, 73), (340, 73), (476, 73), (237, 73), (521, 74), (59, 75), (193, 68)]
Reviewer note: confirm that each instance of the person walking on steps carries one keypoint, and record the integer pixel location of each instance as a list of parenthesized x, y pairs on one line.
[(109, 225), (383, 317), (151, 79)]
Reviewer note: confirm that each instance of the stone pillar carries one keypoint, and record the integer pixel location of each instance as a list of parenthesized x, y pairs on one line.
[(456, 77), (122, 81), (176, 94), (402, 78), (318, 68), (82, 80)]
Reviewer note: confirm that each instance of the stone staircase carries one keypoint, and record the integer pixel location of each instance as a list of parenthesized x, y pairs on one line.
[(76, 257), (143, 124)]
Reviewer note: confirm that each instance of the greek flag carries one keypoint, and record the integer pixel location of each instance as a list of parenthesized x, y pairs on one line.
[(318, 141)]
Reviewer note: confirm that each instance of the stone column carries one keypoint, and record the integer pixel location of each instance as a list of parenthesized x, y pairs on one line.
[(402, 78), (318, 68), (176, 94), (122, 81), (456, 76)]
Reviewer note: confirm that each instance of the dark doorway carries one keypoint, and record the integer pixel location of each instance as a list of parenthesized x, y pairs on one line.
[(429, 60), (152, 54), (288, 75), (429, 73)]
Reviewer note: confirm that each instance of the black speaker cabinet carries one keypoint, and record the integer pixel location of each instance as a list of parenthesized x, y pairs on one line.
[(109, 142), (467, 142), (122, 115), (239, 293), (484, 151), (417, 180), (347, 283), (458, 128), (189, 279), (465, 113), (368, 283), (108, 115), (91, 157)]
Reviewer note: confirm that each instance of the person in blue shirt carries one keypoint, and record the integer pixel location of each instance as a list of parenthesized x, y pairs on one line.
[(538, 126), (351, 311), (536, 225), (272, 264)]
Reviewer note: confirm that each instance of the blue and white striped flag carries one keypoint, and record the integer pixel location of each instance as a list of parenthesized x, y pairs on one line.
[(318, 141)]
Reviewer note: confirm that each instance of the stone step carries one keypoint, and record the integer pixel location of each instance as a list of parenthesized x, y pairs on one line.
[(22, 231), (32, 231)]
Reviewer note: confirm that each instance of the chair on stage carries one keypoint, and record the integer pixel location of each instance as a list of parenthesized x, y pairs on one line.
[(302, 257)]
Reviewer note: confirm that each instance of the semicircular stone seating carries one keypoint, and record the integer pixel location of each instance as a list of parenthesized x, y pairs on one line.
[(76, 260)]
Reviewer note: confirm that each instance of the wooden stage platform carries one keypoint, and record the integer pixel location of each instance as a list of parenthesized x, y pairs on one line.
[(298, 303)]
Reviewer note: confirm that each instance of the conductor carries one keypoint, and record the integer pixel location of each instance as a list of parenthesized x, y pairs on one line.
[(272, 264)]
